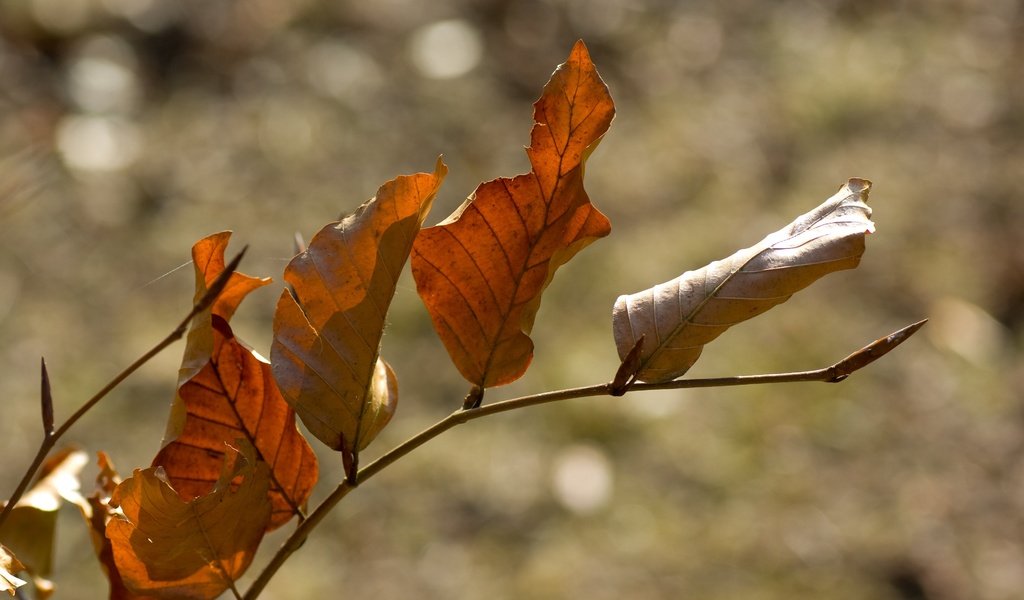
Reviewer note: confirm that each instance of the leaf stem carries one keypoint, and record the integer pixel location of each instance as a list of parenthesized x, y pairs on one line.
[(50, 437), (831, 374)]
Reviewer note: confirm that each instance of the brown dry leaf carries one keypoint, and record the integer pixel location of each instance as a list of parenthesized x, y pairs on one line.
[(679, 317), (231, 396), (208, 260), (325, 352), (30, 527), (481, 272), (169, 548), (97, 514), (9, 565)]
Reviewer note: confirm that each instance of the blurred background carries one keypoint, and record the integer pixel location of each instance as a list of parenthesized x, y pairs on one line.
[(129, 129)]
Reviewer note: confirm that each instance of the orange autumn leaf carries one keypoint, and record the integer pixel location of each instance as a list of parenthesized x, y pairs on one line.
[(482, 271), (326, 346), (97, 514), (168, 548), (208, 260), (232, 396)]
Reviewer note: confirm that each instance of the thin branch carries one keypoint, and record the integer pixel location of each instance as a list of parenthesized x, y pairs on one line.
[(831, 374), (51, 437)]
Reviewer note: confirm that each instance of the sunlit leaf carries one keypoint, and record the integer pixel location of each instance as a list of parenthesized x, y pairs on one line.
[(327, 336), (30, 527), (481, 272), (679, 317), (9, 565), (97, 514), (232, 396), (168, 548), (208, 261)]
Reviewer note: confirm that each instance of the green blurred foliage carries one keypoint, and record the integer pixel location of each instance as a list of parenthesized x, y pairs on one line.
[(131, 128)]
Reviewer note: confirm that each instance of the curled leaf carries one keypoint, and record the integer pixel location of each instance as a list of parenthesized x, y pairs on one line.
[(169, 548), (9, 565), (481, 271), (326, 347), (97, 513), (679, 317), (208, 260)]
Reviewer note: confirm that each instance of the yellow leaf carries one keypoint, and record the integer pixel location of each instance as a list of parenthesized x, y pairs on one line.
[(679, 317)]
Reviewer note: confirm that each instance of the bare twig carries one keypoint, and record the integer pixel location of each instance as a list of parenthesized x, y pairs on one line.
[(831, 374), (51, 437)]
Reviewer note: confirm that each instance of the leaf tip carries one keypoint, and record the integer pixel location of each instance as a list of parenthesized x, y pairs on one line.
[(859, 186), (440, 169)]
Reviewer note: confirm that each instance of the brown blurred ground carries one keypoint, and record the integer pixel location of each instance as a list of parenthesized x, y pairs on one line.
[(131, 128)]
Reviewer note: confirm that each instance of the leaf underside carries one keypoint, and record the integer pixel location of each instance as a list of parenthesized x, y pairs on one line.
[(325, 352), (679, 317), (482, 271)]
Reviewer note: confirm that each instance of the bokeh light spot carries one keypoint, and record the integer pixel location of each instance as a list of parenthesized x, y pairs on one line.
[(101, 76), (92, 143), (582, 478), (446, 49)]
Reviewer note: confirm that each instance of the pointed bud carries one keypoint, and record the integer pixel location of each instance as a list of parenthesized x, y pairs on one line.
[(47, 400)]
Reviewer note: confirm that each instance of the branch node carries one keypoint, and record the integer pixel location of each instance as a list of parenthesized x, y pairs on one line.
[(474, 398), (625, 376)]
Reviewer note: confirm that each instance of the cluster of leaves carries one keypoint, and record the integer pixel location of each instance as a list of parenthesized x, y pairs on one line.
[(234, 465)]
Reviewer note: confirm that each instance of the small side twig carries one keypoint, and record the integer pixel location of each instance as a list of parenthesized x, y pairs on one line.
[(46, 396), (474, 398), (831, 374), (52, 436), (625, 376)]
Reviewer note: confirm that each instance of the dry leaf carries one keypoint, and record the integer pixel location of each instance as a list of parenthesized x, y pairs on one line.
[(208, 260), (679, 317), (482, 271), (231, 396), (97, 514), (9, 565), (30, 527), (169, 548), (326, 345)]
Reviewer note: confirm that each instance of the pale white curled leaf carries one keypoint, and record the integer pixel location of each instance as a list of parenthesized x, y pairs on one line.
[(679, 317)]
